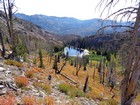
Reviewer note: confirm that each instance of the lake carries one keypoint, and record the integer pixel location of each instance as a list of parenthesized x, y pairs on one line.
[(75, 52)]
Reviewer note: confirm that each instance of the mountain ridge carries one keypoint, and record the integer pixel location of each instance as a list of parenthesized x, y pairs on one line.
[(69, 25)]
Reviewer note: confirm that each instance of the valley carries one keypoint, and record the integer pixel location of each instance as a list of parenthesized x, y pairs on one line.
[(51, 60)]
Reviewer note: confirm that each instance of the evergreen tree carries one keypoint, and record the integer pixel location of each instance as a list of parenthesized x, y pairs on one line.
[(41, 59)]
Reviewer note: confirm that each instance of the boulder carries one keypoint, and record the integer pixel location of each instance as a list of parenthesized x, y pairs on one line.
[(2, 69), (2, 86)]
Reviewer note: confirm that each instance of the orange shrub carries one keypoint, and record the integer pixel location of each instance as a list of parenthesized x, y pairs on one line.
[(36, 69), (32, 71), (49, 100), (8, 99), (29, 100), (29, 73), (21, 81)]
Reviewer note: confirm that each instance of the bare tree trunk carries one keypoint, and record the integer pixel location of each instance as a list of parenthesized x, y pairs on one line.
[(64, 64), (78, 68), (103, 74), (132, 71), (86, 83), (3, 47), (55, 67), (8, 7), (100, 70)]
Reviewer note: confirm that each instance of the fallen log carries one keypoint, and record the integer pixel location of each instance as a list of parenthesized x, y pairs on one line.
[(10, 85), (64, 75)]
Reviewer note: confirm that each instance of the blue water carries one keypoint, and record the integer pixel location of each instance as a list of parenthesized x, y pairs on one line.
[(71, 51)]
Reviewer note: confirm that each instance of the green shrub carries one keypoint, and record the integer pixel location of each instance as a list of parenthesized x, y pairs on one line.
[(75, 92), (25, 57), (41, 65), (79, 93), (95, 57), (72, 91), (45, 87), (64, 88)]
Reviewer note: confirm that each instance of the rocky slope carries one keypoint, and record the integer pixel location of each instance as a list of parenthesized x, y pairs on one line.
[(8, 84)]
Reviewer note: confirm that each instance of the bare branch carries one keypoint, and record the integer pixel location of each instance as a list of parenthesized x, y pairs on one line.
[(116, 3), (99, 4), (123, 10), (108, 4)]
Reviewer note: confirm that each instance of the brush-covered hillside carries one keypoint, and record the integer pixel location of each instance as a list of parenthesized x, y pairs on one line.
[(30, 33)]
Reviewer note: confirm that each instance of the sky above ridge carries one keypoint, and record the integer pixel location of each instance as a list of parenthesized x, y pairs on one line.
[(80, 9)]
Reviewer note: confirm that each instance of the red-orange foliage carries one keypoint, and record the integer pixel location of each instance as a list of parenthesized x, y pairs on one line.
[(8, 99), (21, 81)]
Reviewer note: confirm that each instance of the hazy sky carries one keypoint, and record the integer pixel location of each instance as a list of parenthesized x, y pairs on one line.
[(81, 9)]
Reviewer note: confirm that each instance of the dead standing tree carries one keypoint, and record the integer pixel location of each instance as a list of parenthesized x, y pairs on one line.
[(2, 43), (8, 6), (132, 71), (100, 71)]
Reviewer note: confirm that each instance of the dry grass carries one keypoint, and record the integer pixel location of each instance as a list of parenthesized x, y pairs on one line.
[(14, 63), (29, 73), (32, 71), (49, 100), (37, 70), (109, 102), (99, 91), (29, 100), (21, 81), (46, 87), (137, 100)]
